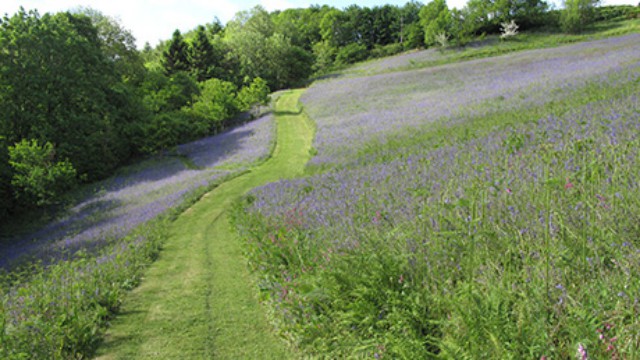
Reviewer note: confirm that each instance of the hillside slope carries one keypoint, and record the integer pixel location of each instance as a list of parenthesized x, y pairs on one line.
[(478, 210)]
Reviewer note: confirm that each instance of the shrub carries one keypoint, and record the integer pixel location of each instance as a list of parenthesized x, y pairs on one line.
[(5, 181), (169, 129), (325, 55), (351, 53), (386, 50), (614, 12), (39, 179)]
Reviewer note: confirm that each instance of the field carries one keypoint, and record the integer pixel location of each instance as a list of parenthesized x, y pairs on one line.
[(454, 205), (482, 209)]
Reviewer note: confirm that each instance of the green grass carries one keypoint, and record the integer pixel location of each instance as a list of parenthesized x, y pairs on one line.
[(198, 300)]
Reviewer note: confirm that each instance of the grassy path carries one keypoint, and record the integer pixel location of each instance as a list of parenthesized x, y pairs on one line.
[(198, 301)]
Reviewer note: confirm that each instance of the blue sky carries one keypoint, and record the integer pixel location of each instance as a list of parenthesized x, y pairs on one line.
[(154, 20)]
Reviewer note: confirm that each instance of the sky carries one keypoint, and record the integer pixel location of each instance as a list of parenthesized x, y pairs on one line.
[(155, 20)]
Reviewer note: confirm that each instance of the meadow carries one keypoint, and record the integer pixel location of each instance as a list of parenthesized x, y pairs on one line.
[(482, 209), (62, 283), (452, 208), (351, 111)]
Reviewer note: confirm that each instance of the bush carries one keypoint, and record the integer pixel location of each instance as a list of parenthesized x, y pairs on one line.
[(38, 179), (614, 12), (325, 56), (169, 129), (509, 29), (386, 50), (351, 53)]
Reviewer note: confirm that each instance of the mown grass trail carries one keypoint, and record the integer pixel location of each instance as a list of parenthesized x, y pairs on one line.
[(197, 301)]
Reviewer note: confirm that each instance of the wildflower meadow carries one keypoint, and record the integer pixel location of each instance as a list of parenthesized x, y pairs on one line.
[(486, 209)]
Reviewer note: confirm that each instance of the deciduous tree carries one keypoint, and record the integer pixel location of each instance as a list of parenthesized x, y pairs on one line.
[(39, 178), (577, 14), (436, 19)]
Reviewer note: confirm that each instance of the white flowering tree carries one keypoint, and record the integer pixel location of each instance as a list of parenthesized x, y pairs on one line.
[(509, 29)]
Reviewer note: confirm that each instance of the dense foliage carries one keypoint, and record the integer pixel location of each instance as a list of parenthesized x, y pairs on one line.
[(74, 84)]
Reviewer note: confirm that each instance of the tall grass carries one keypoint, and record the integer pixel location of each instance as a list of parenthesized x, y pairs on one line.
[(502, 233)]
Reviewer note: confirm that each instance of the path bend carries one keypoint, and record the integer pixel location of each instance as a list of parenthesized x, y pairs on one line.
[(197, 301)]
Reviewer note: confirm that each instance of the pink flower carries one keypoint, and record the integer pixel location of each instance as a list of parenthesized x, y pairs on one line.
[(582, 352)]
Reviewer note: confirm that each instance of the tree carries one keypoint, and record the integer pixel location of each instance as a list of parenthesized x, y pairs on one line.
[(435, 19), (56, 85), (302, 26), (215, 27), (118, 45), (38, 178), (386, 24), (254, 95), (216, 103), (264, 53), (528, 13), (202, 56), (462, 27), (357, 26), (411, 32), (175, 58), (335, 29), (246, 36), (487, 15), (577, 14), (168, 93), (6, 173), (288, 65)]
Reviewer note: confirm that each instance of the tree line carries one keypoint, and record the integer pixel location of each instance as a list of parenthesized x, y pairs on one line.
[(78, 100)]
